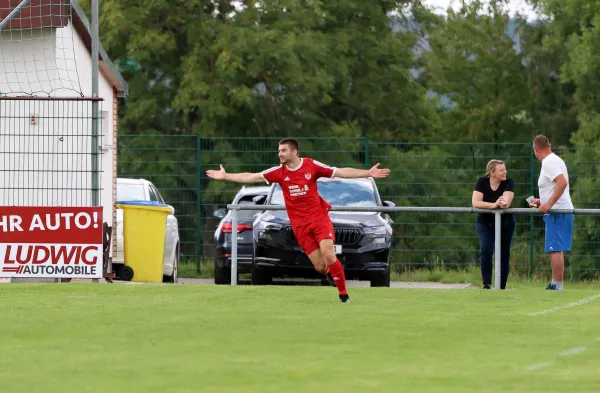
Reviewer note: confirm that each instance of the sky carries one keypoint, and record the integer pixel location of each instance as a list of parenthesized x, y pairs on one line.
[(515, 5)]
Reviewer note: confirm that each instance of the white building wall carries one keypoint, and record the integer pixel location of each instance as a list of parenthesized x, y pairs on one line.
[(46, 163)]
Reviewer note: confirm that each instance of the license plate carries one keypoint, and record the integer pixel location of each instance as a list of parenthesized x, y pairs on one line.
[(240, 237), (338, 249)]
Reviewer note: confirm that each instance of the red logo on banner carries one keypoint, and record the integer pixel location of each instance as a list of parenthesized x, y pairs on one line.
[(16, 269), (51, 242)]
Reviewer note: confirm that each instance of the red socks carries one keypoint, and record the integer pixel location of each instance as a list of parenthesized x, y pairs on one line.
[(337, 272)]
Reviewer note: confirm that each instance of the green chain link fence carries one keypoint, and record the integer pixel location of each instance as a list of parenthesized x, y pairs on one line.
[(48, 152), (423, 174)]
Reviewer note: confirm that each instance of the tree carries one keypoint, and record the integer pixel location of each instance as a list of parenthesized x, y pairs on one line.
[(477, 70), (308, 68), (551, 108), (242, 76), (575, 31)]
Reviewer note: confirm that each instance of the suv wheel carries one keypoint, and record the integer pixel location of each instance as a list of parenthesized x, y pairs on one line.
[(222, 275), (260, 277), (382, 280)]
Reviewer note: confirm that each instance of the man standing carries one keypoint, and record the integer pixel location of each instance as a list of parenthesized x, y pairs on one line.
[(554, 194), (307, 211)]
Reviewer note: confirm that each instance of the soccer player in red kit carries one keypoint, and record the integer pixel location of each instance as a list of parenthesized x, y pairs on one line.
[(307, 211)]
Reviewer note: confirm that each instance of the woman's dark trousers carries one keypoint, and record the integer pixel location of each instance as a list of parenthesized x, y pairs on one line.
[(485, 233)]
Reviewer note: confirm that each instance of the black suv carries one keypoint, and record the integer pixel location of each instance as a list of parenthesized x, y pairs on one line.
[(222, 235), (363, 239)]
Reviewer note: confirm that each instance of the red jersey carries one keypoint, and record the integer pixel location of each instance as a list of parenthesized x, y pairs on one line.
[(302, 200)]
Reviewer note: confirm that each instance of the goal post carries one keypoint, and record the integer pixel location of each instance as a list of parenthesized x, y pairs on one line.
[(13, 13)]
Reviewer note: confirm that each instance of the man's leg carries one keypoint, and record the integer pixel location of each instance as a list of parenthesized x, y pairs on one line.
[(317, 260), (557, 261), (322, 232), (334, 267), (559, 233), (310, 246)]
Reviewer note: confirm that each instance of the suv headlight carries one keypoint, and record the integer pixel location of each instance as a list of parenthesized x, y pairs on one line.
[(269, 225), (265, 225), (380, 230)]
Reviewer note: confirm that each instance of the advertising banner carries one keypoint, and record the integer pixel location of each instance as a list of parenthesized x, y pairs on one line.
[(51, 242)]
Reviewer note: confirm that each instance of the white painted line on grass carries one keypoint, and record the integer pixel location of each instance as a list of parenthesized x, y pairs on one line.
[(573, 351), (568, 352), (537, 366), (577, 303)]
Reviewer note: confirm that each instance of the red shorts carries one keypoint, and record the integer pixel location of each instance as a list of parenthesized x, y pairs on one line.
[(310, 235)]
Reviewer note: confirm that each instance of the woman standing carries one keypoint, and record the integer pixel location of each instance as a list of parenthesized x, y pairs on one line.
[(494, 191)]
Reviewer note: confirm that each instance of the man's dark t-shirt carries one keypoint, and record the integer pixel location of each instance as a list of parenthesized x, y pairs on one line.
[(489, 195)]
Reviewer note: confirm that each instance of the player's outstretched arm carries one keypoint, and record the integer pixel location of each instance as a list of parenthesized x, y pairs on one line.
[(351, 173), (235, 177)]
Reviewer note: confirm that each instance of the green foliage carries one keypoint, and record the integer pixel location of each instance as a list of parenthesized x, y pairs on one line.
[(190, 338), (360, 83), (473, 63), (574, 31), (551, 108)]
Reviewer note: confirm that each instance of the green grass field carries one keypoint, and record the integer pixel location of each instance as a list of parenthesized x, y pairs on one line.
[(198, 338), (469, 274)]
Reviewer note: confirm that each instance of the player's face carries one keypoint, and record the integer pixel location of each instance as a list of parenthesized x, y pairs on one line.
[(286, 154), (500, 172)]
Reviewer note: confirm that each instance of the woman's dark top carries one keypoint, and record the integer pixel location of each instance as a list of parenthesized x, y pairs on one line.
[(489, 195)]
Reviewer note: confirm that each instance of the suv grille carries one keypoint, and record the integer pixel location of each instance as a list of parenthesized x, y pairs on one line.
[(342, 236), (347, 236)]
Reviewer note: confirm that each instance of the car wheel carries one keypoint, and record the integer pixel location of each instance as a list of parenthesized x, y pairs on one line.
[(260, 277), (222, 275), (174, 277), (382, 280)]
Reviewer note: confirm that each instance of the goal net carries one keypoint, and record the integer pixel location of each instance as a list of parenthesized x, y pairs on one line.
[(37, 49)]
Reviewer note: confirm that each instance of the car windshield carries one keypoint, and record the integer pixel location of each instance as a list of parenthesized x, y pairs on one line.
[(337, 192), (246, 214), (130, 192), (246, 200)]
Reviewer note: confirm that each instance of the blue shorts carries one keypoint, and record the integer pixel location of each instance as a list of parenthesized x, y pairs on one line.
[(559, 232)]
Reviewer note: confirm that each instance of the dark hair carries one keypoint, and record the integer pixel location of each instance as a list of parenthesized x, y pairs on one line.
[(291, 142), (541, 142)]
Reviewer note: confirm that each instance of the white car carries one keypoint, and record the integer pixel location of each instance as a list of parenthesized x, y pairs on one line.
[(143, 190)]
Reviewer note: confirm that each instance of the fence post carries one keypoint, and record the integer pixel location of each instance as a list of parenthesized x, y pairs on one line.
[(366, 148), (497, 244), (234, 248), (198, 203), (531, 226)]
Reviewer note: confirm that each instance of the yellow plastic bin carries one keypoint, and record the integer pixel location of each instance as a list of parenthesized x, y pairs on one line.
[(144, 225)]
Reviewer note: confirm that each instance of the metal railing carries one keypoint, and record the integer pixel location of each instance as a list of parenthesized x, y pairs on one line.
[(497, 219)]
